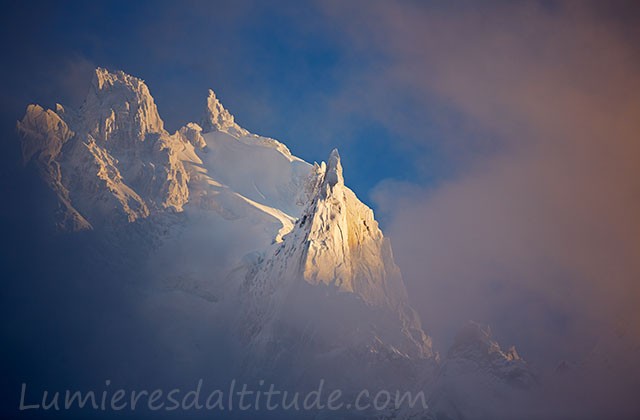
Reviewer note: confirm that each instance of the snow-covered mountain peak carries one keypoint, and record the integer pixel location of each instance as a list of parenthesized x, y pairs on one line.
[(334, 170), (235, 218), (218, 118), (44, 133), (475, 338), (343, 244), (120, 106), (112, 159), (474, 334), (333, 277), (477, 376), (475, 343), (103, 79)]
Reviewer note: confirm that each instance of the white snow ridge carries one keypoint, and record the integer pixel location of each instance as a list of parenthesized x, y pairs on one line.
[(280, 249)]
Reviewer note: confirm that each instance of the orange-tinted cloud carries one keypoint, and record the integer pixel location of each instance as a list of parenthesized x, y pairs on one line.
[(538, 232)]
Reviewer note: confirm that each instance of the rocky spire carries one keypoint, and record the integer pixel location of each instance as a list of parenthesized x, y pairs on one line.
[(111, 161), (344, 245), (337, 245), (217, 118), (333, 176), (119, 108)]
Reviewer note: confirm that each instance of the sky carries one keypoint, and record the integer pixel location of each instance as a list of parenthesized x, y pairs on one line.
[(284, 70), (496, 141)]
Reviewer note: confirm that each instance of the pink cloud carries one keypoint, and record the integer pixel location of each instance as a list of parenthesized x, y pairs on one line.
[(541, 233)]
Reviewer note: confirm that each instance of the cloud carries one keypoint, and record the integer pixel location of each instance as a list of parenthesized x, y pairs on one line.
[(536, 231)]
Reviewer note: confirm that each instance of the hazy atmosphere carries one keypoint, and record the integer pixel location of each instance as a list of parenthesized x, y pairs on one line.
[(496, 142)]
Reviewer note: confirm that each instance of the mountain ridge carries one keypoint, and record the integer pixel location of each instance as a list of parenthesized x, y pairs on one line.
[(307, 261)]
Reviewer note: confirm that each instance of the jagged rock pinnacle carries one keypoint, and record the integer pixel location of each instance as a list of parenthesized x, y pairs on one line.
[(334, 170), (216, 117), (120, 106)]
